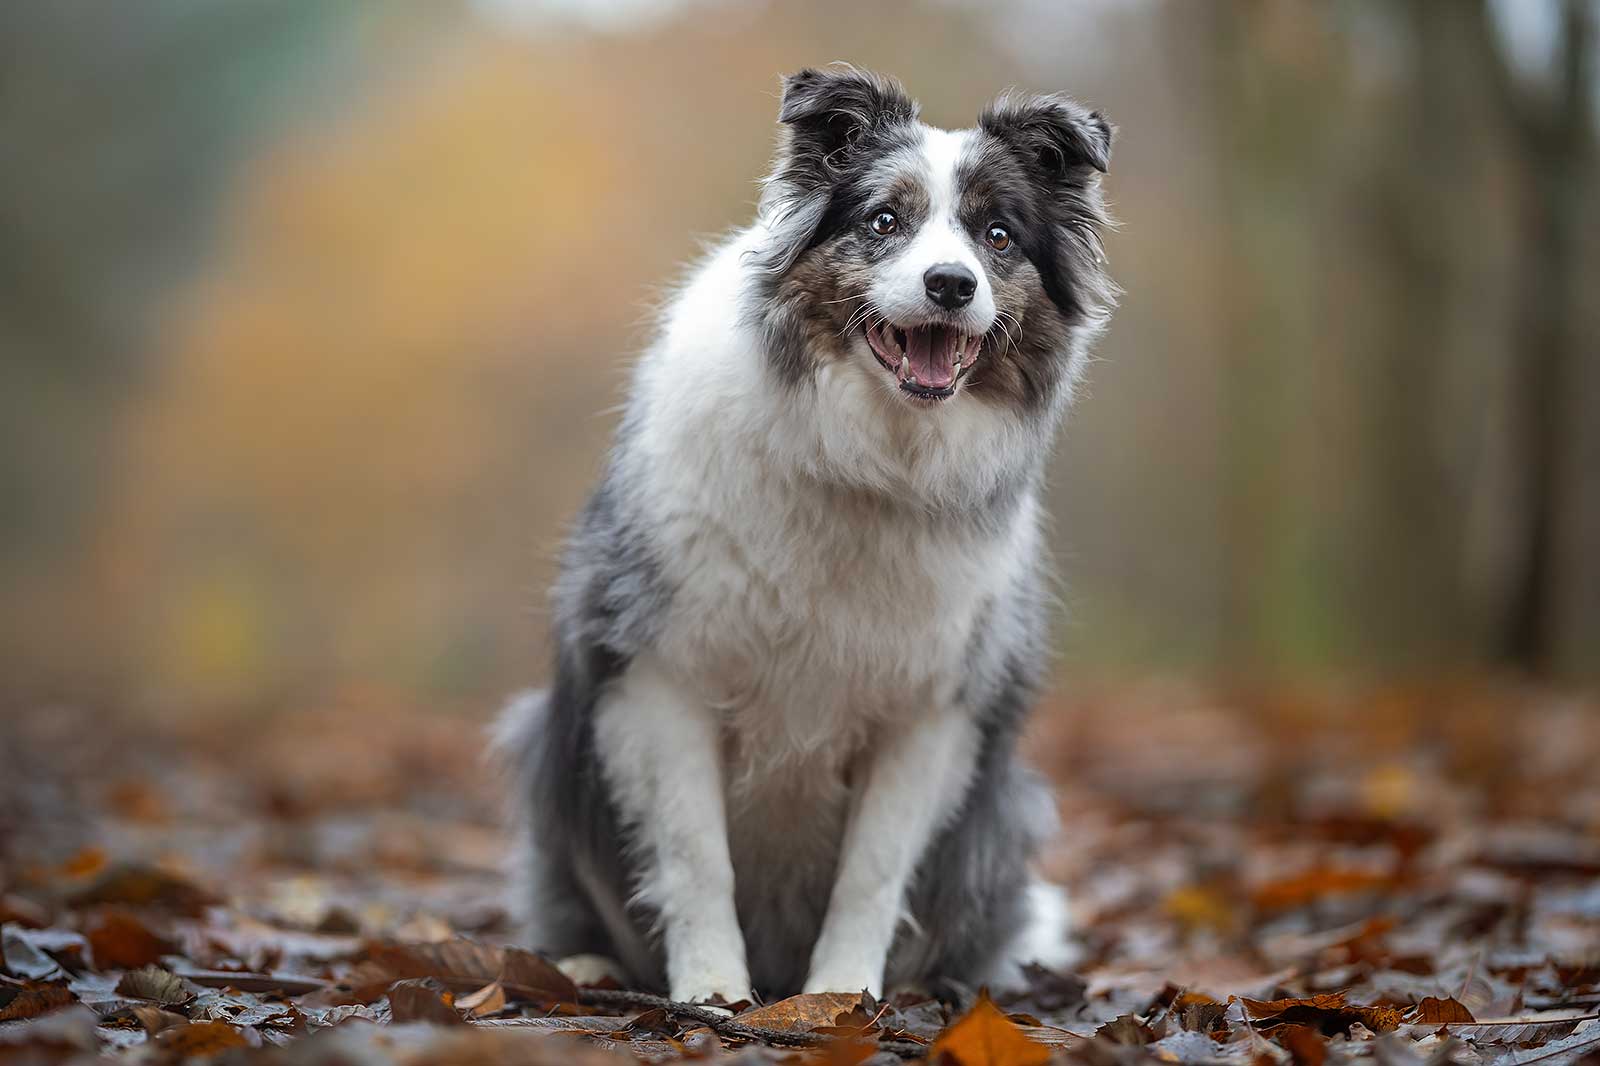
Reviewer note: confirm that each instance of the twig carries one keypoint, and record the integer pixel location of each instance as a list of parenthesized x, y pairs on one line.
[(254, 982), (726, 1025)]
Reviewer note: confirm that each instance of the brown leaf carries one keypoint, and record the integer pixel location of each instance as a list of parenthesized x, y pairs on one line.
[(120, 941), (422, 999), (145, 886), (463, 965), (154, 983), (532, 977), (840, 1053), (490, 999), (154, 1019), (1328, 1013), (986, 1037), (201, 1039), (86, 863), (32, 998), (1433, 1009), (1126, 1029), (1306, 1046), (1200, 1015), (1316, 884), (803, 1013)]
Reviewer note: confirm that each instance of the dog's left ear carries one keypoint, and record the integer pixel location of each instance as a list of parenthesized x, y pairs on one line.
[(1064, 139)]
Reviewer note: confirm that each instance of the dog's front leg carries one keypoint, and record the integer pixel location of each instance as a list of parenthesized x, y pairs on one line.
[(912, 785), (661, 752)]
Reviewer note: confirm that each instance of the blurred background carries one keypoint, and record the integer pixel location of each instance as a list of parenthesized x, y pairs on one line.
[(314, 315)]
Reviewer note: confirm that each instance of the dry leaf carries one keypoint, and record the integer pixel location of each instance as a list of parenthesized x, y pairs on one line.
[(1327, 1013), (201, 1039), (32, 998), (422, 999), (490, 999), (1446, 1010), (146, 886), (986, 1037), (120, 941), (1306, 1046), (803, 1013), (154, 983), (1316, 884)]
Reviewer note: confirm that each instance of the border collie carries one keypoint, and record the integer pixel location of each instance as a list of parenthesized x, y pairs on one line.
[(805, 611)]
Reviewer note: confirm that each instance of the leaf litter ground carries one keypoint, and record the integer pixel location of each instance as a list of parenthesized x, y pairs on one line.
[(1410, 878)]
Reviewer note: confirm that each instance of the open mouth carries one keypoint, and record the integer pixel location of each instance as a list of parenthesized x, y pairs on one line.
[(926, 360)]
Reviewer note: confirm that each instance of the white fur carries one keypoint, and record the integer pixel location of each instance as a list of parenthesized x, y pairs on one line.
[(910, 789), (757, 730), (658, 746), (899, 291)]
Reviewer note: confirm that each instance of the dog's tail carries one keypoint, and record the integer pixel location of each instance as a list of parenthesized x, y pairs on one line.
[(514, 745)]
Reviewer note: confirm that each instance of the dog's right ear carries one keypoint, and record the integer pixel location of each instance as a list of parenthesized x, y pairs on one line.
[(828, 111), (825, 113)]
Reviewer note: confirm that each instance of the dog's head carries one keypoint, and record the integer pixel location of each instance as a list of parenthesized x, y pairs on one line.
[(941, 262)]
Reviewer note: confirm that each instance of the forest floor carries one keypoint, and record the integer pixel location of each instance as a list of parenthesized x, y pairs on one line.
[(1262, 878)]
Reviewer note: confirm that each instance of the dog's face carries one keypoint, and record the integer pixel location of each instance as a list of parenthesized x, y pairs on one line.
[(942, 262)]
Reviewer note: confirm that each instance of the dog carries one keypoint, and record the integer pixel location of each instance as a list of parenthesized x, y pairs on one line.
[(802, 617)]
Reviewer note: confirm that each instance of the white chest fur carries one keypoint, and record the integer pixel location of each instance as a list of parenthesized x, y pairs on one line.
[(810, 612)]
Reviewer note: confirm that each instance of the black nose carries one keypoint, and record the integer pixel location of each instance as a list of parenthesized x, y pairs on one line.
[(950, 285)]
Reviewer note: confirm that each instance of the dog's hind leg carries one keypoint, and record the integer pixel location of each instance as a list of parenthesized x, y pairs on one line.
[(554, 915), (978, 913)]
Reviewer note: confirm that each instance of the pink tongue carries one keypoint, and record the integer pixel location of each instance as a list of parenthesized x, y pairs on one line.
[(932, 350)]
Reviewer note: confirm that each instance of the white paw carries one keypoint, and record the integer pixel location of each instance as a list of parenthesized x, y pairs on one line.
[(593, 969), (851, 981), (702, 986)]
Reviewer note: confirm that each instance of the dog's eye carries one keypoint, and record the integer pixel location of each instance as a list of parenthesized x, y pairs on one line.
[(884, 223), (999, 238)]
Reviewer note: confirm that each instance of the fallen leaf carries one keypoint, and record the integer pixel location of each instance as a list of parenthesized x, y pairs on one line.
[(1433, 1009), (803, 1013), (490, 999), (1306, 1046), (23, 954), (463, 965), (33, 998), (1198, 907), (145, 886), (154, 1019), (533, 977), (422, 999), (86, 863), (986, 1037), (1126, 1029), (120, 941), (155, 984), (1316, 884), (200, 1039), (1328, 1013)]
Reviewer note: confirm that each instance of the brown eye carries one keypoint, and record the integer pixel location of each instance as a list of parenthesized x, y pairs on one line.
[(998, 237), (884, 223)]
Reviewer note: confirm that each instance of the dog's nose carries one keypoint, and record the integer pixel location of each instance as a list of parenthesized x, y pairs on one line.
[(950, 285)]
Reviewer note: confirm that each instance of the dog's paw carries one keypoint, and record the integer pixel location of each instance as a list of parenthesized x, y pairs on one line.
[(700, 987), (851, 981), (593, 969)]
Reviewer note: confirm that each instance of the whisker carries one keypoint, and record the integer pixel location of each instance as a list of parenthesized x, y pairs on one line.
[(1000, 319), (857, 318)]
